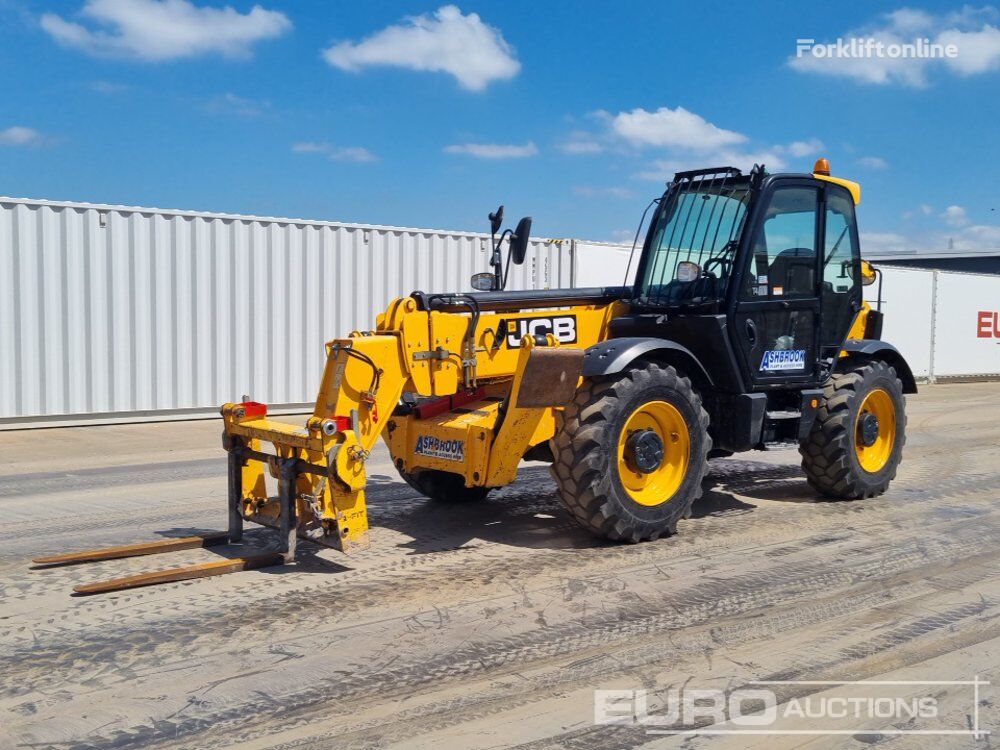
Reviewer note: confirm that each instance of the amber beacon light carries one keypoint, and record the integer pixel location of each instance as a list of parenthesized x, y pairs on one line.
[(822, 166)]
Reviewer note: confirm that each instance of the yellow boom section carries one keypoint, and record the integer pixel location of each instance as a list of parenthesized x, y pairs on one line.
[(320, 468)]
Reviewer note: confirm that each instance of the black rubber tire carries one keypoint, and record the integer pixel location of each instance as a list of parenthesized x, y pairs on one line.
[(585, 452), (829, 457), (443, 486)]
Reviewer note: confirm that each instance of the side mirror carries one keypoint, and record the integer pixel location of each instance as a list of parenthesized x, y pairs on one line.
[(519, 240), (496, 220), (868, 273), (483, 282), (687, 271)]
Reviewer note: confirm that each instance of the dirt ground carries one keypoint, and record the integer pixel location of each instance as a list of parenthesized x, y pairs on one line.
[(491, 625)]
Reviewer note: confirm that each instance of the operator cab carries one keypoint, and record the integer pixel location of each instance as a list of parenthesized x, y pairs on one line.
[(758, 274)]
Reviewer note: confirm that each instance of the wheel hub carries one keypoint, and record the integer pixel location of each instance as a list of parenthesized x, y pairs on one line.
[(868, 429), (645, 448)]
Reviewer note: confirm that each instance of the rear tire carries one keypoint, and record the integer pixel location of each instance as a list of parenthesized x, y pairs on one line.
[(443, 486), (598, 481), (836, 460)]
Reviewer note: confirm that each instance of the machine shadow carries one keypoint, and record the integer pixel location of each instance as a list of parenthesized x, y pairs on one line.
[(525, 514), (528, 513), (759, 480), (259, 540)]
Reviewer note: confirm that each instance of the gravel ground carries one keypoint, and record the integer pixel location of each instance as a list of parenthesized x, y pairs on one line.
[(491, 624)]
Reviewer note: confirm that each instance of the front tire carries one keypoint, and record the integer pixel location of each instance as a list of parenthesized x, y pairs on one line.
[(443, 486), (631, 452), (856, 441)]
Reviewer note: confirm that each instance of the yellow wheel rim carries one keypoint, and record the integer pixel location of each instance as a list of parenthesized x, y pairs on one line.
[(659, 485), (874, 457)]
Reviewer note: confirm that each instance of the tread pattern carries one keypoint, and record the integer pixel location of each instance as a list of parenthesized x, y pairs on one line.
[(585, 454), (828, 454)]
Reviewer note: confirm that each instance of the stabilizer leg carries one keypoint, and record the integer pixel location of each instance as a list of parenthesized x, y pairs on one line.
[(288, 523), (236, 462)]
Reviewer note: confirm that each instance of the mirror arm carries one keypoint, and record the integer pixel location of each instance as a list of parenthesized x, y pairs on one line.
[(493, 257), (497, 260)]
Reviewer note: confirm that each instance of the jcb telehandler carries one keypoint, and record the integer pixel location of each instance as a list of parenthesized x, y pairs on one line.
[(744, 329)]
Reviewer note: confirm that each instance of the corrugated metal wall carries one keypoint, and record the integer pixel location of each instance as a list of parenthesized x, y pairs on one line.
[(113, 310)]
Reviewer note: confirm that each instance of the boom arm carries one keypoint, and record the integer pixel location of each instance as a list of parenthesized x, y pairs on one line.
[(321, 469)]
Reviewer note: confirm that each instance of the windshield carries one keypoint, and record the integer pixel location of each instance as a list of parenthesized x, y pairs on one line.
[(699, 222)]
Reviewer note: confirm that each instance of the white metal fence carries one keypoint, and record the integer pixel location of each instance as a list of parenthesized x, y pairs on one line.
[(119, 311)]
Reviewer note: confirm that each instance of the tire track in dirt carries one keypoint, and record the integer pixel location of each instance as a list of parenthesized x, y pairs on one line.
[(709, 600), (470, 616)]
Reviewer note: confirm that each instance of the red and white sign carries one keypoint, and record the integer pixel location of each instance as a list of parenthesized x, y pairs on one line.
[(988, 324)]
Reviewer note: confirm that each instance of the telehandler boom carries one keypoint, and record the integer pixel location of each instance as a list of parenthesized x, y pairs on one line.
[(744, 329)]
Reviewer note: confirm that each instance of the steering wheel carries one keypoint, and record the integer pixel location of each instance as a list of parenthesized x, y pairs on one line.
[(725, 264)]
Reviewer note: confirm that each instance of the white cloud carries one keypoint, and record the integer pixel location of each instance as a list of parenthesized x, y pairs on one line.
[(475, 53), (975, 237), (493, 150), (18, 135), (685, 140), (310, 147), (805, 148), (581, 142), (972, 31), (231, 104), (594, 192), (356, 154), (978, 237), (955, 216), (873, 243), (873, 162), (158, 30), (924, 208), (664, 169), (671, 127), (978, 51)]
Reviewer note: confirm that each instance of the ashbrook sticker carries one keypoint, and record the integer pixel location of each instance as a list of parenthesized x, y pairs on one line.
[(563, 327), (783, 359), (451, 450)]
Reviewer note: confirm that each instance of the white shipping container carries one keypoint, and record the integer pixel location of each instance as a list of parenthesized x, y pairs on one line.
[(116, 310), (604, 263), (967, 325), (907, 295)]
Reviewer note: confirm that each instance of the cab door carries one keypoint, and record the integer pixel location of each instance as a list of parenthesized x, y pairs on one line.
[(775, 320)]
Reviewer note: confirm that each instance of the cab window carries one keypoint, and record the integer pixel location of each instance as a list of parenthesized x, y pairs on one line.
[(841, 268), (783, 258)]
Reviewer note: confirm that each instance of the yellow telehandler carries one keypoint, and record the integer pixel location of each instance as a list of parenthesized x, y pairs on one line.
[(744, 329)]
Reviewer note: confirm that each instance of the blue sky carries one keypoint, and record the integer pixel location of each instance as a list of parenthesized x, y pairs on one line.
[(419, 114)]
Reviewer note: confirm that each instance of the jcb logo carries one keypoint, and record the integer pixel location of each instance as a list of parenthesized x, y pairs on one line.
[(563, 327), (988, 324)]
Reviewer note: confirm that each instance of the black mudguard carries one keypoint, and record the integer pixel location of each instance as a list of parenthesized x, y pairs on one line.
[(875, 349), (613, 356)]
